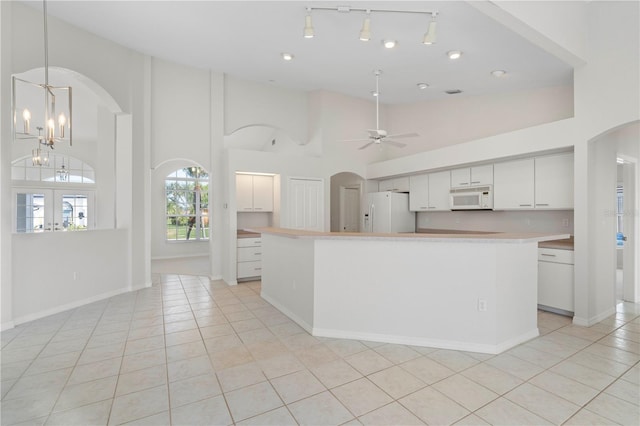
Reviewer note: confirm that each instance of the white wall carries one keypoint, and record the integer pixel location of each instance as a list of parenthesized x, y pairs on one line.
[(250, 103), (456, 120), (180, 113), (47, 280)]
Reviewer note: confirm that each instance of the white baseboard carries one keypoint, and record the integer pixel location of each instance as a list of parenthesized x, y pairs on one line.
[(426, 342), (7, 325), (307, 327), (141, 286), (588, 322), (215, 277), (67, 306)]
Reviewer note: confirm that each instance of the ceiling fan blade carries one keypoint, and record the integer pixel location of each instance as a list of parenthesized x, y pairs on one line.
[(355, 140), (404, 135), (376, 133), (366, 145), (394, 143)]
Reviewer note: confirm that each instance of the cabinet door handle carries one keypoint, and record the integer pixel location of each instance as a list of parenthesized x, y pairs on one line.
[(432, 207), (541, 204), (257, 208), (257, 254), (475, 181), (463, 183), (424, 208), (525, 205), (549, 255)]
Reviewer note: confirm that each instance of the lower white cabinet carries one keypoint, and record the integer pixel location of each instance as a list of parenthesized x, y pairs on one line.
[(555, 280), (249, 258)]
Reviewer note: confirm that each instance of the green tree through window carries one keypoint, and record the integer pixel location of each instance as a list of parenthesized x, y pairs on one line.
[(187, 204)]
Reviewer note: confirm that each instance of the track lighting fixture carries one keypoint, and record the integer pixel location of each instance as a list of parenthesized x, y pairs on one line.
[(308, 26), (430, 35), (365, 32)]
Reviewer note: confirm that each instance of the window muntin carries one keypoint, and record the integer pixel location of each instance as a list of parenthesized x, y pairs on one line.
[(187, 204), (79, 171)]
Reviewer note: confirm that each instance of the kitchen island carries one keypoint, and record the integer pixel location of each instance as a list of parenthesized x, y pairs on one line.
[(472, 292)]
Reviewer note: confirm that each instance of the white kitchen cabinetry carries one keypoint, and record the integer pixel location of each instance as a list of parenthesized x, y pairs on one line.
[(254, 193), (555, 280), (249, 258), (400, 184), (419, 193), (472, 176), (513, 185), (439, 190), (554, 182), (429, 192)]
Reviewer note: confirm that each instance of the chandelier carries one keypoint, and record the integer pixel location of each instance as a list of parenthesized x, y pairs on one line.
[(39, 110)]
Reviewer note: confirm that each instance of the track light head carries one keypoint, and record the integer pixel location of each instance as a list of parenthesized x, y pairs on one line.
[(365, 32), (308, 26), (430, 35)]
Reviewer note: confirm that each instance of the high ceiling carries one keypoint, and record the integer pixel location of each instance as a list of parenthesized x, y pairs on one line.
[(245, 39)]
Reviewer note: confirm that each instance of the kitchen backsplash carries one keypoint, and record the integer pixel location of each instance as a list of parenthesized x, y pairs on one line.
[(254, 220), (560, 221)]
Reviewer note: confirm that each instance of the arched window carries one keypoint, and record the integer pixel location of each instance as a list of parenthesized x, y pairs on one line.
[(187, 204)]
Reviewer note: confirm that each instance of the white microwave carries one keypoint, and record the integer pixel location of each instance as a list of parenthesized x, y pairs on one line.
[(472, 198)]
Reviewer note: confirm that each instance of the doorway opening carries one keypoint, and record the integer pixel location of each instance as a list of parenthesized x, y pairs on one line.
[(627, 229), (346, 195)]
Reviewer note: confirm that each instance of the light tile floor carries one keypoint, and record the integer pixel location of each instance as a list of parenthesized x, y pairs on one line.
[(188, 351)]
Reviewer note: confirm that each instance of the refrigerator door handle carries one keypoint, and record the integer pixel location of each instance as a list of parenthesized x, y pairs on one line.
[(372, 210)]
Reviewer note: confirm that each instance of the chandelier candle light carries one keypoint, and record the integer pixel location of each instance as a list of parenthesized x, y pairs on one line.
[(24, 91)]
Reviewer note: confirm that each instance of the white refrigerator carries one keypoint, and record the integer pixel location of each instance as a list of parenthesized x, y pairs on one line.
[(388, 212)]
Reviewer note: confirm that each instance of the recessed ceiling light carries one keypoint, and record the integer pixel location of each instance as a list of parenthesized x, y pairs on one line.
[(454, 54), (498, 73), (389, 44), (453, 91), (287, 56), (422, 86)]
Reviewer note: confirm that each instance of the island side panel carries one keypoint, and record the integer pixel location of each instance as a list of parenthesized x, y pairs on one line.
[(410, 291), (287, 276), (517, 291)]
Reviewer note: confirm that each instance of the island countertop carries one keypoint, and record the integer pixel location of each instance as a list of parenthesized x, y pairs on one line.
[(480, 237)]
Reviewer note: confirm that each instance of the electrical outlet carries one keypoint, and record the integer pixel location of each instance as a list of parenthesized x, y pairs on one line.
[(482, 305), (75, 276)]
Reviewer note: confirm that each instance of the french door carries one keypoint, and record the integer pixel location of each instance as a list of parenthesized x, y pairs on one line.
[(53, 210)]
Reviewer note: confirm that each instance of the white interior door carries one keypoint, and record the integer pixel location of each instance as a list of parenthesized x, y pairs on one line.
[(306, 204)]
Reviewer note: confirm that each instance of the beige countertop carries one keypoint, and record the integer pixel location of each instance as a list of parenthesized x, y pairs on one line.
[(243, 233), (565, 244), (478, 237)]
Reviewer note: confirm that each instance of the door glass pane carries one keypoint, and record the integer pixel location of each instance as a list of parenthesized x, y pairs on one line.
[(29, 213), (74, 212)]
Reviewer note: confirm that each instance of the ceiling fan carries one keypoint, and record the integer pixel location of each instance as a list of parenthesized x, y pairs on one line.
[(377, 135)]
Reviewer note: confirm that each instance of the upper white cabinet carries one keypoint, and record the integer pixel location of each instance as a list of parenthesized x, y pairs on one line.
[(400, 184), (254, 193), (513, 184), (439, 190), (472, 176), (554, 182), (429, 192), (534, 183), (419, 193)]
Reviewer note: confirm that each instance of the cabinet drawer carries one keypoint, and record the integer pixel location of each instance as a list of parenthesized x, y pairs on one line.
[(555, 255), (249, 269), (249, 242), (249, 254)]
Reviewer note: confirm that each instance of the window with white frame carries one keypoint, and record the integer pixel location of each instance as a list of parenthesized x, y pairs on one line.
[(187, 204), (57, 196)]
